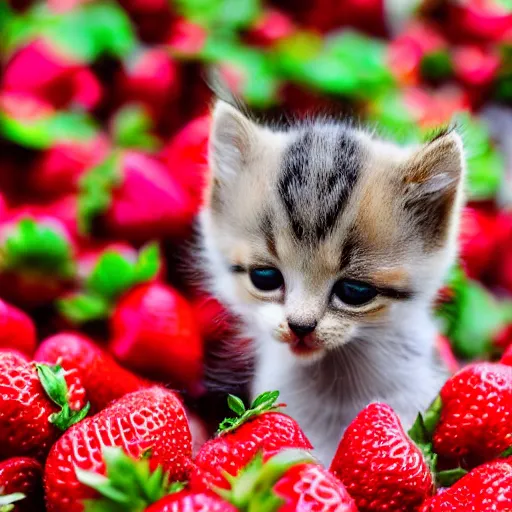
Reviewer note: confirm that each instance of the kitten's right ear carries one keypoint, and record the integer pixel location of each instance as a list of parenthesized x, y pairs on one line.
[(232, 141)]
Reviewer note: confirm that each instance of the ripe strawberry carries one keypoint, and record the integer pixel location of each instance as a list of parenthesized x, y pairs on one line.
[(38, 403), (132, 196), (506, 358), (380, 465), (150, 419), (21, 484), (154, 332), (214, 321), (240, 438), (102, 377), (475, 410), (37, 264), (187, 501), (486, 488), (17, 331)]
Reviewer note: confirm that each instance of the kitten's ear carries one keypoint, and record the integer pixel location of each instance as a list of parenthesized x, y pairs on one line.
[(232, 141), (436, 170), (433, 180)]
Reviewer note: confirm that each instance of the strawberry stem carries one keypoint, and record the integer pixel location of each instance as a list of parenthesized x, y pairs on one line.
[(54, 384), (263, 403), (448, 477)]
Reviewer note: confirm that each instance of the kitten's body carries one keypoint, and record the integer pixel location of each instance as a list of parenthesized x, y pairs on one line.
[(324, 203)]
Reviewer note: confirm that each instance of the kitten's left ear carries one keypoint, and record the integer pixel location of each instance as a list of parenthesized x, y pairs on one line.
[(433, 180), (436, 170)]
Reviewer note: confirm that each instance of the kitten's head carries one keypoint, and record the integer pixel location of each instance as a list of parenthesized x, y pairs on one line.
[(320, 231)]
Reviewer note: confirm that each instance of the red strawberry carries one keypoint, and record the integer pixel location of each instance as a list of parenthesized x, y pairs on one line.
[(37, 264), (186, 157), (475, 419), (187, 501), (259, 428), (38, 403), (186, 39), (506, 358), (271, 27), (213, 319), (380, 465), (58, 169), (103, 378), (17, 331), (21, 475), (150, 419), (154, 332), (503, 339), (40, 70), (132, 196), (486, 488)]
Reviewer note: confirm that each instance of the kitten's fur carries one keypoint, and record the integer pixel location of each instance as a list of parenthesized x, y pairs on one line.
[(323, 200)]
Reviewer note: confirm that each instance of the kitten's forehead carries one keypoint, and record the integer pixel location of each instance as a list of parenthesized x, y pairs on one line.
[(318, 172)]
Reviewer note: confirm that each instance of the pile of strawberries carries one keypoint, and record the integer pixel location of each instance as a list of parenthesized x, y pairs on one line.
[(104, 325)]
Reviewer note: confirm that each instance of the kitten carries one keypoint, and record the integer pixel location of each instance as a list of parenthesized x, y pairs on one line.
[(331, 245)]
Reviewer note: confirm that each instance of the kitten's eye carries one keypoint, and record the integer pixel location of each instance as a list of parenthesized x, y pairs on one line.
[(354, 293), (266, 279)]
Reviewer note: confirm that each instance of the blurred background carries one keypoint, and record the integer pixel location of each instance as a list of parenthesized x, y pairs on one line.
[(104, 123)]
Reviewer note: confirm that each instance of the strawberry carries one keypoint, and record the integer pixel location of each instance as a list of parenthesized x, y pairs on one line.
[(132, 196), (380, 465), (116, 270), (486, 488), (239, 439), (102, 377), (154, 332), (506, 358), (187, 501), (57, 170), (20, 484), (474, 421), (151, 419), (37, 261), (38, 403), (186, 157), (17, 330), (215, 322)]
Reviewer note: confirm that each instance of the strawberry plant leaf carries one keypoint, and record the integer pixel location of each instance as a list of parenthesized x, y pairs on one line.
[(268, 398), (148, 263), (7, 501), (236, 405), (83, 307), (53, 381), (448, 477), (506, 453)]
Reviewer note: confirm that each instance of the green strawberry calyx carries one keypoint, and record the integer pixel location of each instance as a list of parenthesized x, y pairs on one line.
[(7, 501), (421, 433), (112, 276), (129, 484), (263, 403), (252, 489), (53, 380), (39, 248), (95, 190)]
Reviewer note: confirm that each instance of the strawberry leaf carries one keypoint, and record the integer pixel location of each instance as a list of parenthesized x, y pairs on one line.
[(422, 438), (236, 405), (148, 263), (448, 477), (506, 453), (35, 246), (131, 126), (263, 403), (7, 501), (128, 485), (53, 380), (83, 307)]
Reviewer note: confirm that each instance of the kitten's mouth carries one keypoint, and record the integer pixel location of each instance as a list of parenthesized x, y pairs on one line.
[(304, 346)]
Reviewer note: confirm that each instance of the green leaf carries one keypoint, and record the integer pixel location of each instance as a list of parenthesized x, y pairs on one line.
[(47, 130), (448, 477), (432, 415), (53, 381), (422, 438), (148, 263), (506, 453), (112, 275), (96, 190), (84, 307), (7, 501), (131, 128), (236, 405), (264, 403), (437, 65)]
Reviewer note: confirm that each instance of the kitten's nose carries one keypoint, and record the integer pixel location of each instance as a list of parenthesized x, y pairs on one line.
[(302, 329)]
